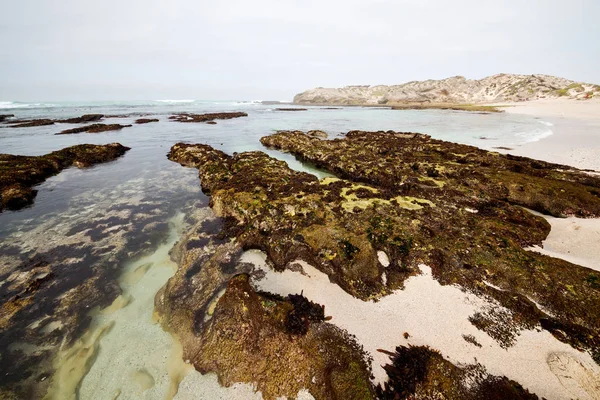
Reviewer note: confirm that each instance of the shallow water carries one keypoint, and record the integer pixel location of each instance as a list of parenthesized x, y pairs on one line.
[(114, 219)]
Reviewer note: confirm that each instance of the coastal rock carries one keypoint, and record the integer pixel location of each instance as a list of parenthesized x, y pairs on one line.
[(418, 372), (290, 109), (453, 207), (146, 120), (83, 119), (318, 134), (185, 117), (281, 345), (31, 123), (473, 192), (4, 117), (94, 128), (496, 88), (19, 173)]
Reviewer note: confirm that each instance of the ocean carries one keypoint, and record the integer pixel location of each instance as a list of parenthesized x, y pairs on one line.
[(142, 191)]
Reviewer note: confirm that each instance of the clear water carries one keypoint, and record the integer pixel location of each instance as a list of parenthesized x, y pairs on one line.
[(145, 173)]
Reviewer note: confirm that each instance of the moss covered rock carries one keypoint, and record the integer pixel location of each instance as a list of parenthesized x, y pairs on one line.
[(19, 173), (420, 200)]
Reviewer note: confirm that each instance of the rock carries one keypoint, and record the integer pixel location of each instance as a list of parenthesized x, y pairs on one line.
[(281, 345), (4, 117), (94, 128), (83, 119), (211, 122), (453, 207), (19, 173), (146, 120), (493, 89), (31, 123), (317, 134), (185, 117), (418, 372), (290, 109)]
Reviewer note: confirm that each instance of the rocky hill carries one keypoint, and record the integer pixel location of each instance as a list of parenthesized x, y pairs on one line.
[(458, 89)]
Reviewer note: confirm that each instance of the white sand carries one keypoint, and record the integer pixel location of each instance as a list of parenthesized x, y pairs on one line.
[(436, 316), (576, 131), (576, 240)]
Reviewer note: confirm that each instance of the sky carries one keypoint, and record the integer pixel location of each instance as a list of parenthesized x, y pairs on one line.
[(271, 50)]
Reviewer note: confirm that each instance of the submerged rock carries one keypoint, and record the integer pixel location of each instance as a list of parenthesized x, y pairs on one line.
[(4, 117), (418, 372), (19, 173), (146, 120), (60, 271), (453, 207), (94, 128), (185, 117)]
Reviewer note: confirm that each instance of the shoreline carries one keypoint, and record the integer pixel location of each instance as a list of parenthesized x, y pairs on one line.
[(575, 132)]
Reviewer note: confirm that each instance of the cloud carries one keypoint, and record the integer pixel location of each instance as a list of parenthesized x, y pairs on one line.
[(273, 49)]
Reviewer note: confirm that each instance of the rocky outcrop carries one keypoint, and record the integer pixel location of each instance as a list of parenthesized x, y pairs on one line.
[(279, 344), (453, 207), (30, 123), (185, 117), (94, 128), (4, 117), (458, 209), (83, 119), (497, 88), (146, 120), (290, 109), (418, 372), (19, 173)]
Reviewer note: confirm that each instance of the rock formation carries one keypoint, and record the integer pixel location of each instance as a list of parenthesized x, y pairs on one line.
[(279, 344), (185, 117), (145, 120), (94, 128), (453, 207), (497, 88), (19, 173)]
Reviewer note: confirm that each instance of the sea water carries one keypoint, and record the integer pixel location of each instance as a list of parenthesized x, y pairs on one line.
[(145, 173)]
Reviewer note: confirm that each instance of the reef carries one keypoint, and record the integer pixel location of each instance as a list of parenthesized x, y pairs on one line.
[(282, 345), (83, 119), (418, 372), (30, 123), (19, 173), (146, 120), (185, 117), (453, 207), (94, 128)]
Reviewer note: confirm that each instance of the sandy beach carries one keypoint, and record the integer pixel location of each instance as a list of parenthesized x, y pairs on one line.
[(576, 131)]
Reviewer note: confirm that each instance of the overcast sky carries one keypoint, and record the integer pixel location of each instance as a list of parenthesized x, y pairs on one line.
[(263, 49)]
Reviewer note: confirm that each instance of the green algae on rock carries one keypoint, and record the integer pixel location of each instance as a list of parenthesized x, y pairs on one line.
[(19, 173), (418, 372), (418, 200), (279, 344)]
